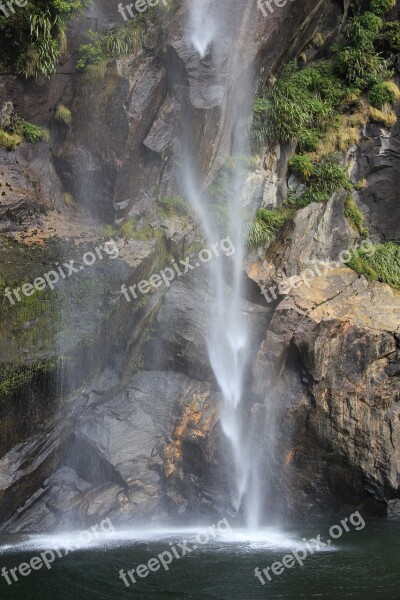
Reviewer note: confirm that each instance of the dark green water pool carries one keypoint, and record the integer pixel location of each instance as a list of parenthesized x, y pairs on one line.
[(361, 565)]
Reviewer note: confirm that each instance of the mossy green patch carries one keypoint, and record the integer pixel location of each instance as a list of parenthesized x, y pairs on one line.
[(12, 381), (174, 205), (380, 264), (327, 177), (355, 216), (265, 226)]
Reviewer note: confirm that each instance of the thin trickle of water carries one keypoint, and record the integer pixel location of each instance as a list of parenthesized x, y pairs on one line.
[(228, 335), (201, 28)]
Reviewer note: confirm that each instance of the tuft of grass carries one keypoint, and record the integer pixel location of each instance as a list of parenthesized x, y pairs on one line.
[(362, 68), (327, 177), (63, 114), (109, 231), (259, 234), (382, 263), (385, 117), (342, 135), (33, 39), (265, 226), (25, 130), (69, 200), (384, 93), (174, 205), (129, 229), (301, 164), (361, 184), (9, 141), (300, 100), (123, 40), (96, 72), (318, 40), (94, 55), (355, 216)]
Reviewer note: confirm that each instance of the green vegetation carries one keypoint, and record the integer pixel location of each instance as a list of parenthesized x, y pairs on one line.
[(389, 39), (383, 264), (33, 37), (94, 55), (265, 226), (13, 380), (326, 177), (221, 188), (109, 231), (300, 106), (63, 114), (174, 205), (384, 93), (324, 100), (385, 117), (128, 229), (19, 130), (358, 62), (30, 132), (355, 216), (300, 164), (323, 107), (380, 7), (127, 39), (9, 141)]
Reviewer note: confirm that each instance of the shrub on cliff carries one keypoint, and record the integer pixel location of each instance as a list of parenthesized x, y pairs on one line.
[(380, 7), (32, 38), (63, 114), (327, 176), (19, 130), (265, 226), (381, 265), (299, 101), (384, 93)]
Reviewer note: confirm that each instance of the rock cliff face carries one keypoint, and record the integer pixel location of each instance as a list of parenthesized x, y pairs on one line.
[(331, 353), (122, 414)]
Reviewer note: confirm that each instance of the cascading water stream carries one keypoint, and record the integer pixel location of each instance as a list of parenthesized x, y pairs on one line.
[(228, 336), (201, 28)]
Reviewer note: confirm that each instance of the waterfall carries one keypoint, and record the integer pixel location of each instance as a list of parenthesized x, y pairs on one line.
[(201, 27), (228, 335)]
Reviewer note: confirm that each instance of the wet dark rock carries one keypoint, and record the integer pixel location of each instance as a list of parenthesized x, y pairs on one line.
[(393, 511), (128, 458), (180, 329), (341, 422), (378, 161)]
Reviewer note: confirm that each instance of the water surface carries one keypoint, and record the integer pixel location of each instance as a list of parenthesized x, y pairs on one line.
[(362, 565)]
